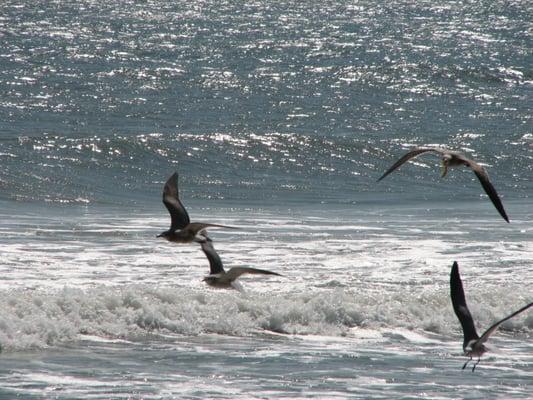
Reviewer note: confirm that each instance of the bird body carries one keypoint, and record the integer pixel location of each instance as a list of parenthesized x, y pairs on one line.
[(474, 348), (219, 281), (473, 344), (453, 159), (182, 230), (193, 232)]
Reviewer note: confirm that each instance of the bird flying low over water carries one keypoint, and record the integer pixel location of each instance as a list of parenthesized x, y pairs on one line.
[(473, 344), (219, 278), (453, 159), (182, 230)]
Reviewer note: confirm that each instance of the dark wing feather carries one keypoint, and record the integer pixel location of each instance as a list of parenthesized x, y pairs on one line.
[(495, 326), (178, 214), (413, 153), (487, 186), (215, 263), (459, 305)]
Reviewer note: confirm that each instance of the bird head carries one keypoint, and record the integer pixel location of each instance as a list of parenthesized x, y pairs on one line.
[(164, 234), (210, 280)]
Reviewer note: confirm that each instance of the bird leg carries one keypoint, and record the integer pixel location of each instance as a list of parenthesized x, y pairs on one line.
[(464, 366), (474, 367)]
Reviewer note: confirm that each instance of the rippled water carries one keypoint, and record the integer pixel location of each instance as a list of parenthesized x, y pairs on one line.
[(279, 117)]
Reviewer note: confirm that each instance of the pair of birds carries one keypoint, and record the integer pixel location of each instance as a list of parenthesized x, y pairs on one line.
[(182, 230), (473, 344)]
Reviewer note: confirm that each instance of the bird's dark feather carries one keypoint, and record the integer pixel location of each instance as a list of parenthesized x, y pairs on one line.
[(178, 215), (460, 307)]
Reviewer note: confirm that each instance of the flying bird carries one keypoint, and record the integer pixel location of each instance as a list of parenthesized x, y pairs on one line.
[(473, 345), (454, 159), (219, 278), (182, 230)]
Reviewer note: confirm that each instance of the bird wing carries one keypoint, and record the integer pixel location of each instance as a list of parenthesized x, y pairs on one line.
[(495, 326), (487, 186), (411, 154), (215, 263), (459, 305), (235, 272), (178, 214), (197, 227)]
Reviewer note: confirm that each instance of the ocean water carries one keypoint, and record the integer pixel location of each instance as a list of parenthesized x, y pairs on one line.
[(279, 118)]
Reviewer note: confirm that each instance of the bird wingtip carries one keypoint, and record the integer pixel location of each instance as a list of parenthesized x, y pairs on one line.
[(455, 269)]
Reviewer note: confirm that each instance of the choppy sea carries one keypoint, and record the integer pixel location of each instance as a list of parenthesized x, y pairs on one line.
[(279, 117)]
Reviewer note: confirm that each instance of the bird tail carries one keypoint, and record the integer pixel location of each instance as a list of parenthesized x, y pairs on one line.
[(222, 226)]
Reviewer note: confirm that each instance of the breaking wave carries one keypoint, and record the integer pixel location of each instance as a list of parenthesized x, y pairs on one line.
[(34, 319)]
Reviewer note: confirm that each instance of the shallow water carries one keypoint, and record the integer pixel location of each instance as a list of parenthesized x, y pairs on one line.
[(218, 366), (362, 309)]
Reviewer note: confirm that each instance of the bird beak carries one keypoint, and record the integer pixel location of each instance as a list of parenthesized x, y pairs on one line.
[(160, 235)]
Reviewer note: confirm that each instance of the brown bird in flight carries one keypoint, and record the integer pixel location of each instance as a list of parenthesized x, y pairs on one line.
[(454, 159), (219, 278), (182, 230)]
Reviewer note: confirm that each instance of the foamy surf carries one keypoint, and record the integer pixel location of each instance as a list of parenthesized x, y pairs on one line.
[(38, 319)]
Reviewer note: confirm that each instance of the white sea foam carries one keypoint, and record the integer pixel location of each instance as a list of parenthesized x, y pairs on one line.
[(38, 319), (362, 308), (109, 278)]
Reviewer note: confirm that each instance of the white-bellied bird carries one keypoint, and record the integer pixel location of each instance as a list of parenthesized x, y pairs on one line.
[(218, 277), (473, 344), (454, 159)]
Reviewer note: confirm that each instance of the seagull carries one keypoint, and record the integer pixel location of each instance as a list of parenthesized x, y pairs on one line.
[(473, 344), (219, 278), (454, 159), (182, 230)]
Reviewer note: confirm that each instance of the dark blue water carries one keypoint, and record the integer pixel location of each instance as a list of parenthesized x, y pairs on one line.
[(101, 101)]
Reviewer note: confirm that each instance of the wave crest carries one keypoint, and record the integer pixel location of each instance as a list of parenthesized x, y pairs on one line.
[(37, 319)]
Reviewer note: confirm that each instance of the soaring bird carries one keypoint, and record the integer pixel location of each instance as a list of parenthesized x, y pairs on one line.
[(454, 159), (219, 278), (182, 230), (473, 345)]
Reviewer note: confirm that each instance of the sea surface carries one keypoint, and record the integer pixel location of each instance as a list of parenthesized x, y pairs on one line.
[(279, 117)]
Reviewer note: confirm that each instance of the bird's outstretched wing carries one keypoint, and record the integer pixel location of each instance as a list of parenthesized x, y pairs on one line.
[(215, 263), (178, 214), (495, 326), (487, 186), (459, 305), (235, 272), (200, 227), (411, 154)]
